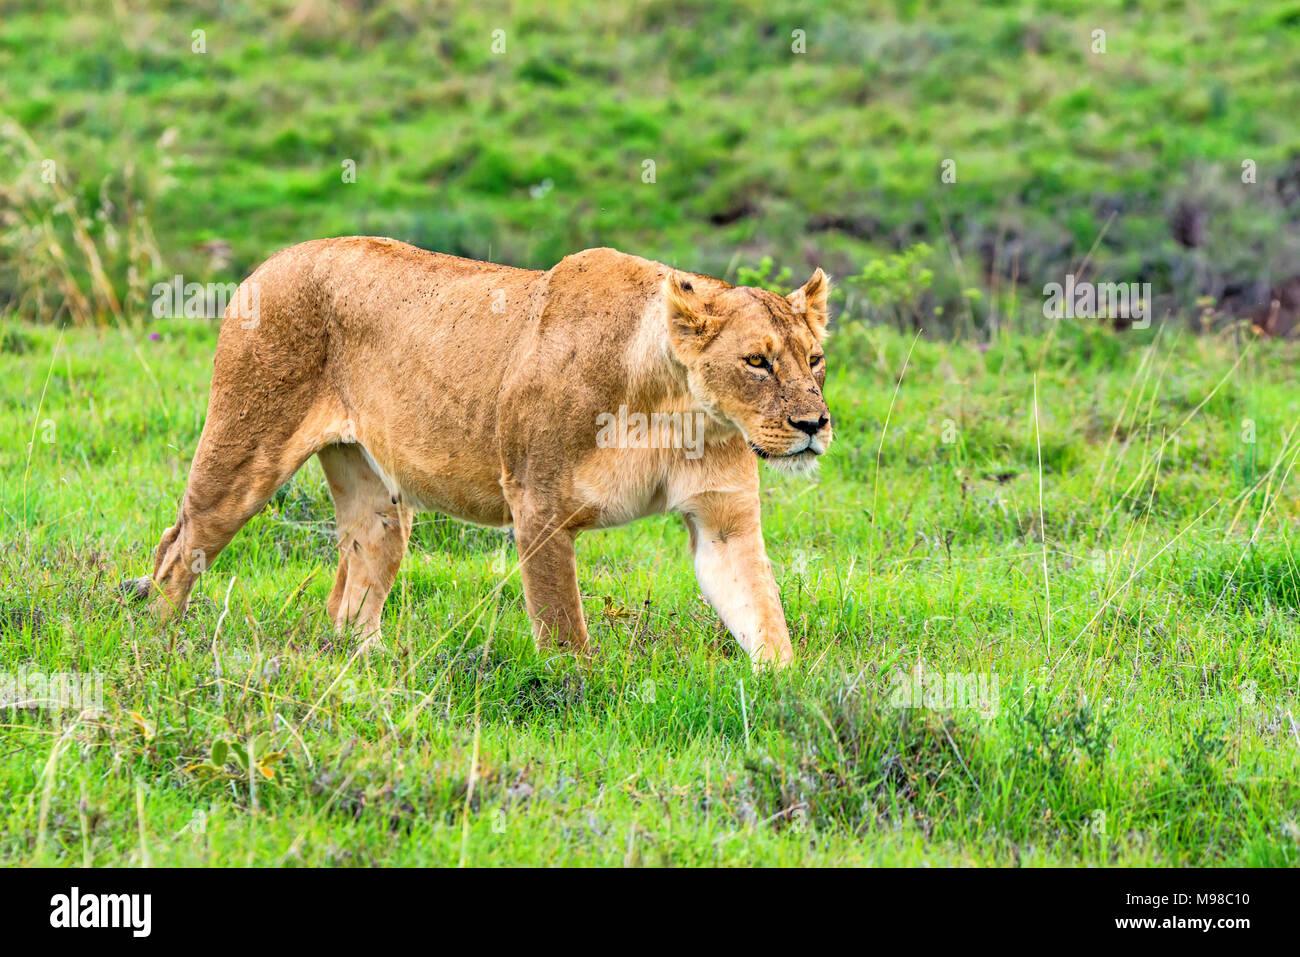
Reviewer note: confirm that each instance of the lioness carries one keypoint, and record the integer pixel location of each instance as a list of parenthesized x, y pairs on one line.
[(430, 382)]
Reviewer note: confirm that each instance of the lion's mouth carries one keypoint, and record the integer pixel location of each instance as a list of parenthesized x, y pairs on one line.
[(806, 452)]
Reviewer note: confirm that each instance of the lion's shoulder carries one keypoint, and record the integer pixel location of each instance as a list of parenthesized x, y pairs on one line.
[(606, 267), (614, 273)]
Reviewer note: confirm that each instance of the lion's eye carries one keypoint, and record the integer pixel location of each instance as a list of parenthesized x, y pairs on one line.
[(758, 362), (814, 361)]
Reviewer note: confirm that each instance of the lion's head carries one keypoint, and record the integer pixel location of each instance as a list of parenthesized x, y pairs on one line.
[(754, 359)]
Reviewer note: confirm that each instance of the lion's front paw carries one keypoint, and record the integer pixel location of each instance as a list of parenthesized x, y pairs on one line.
[(771, 656), (372, 644)]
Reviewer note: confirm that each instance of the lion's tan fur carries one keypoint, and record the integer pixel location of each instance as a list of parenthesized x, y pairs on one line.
[(426, 381)]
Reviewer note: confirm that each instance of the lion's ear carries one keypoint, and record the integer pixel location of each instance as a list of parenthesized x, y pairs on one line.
[(688, 319), (810, 300)]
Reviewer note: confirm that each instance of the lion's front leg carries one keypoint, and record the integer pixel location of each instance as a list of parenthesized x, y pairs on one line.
[(548, 566), (735, 575)]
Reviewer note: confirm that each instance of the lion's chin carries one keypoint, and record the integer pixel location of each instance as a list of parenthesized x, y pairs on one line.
[(800, 464)]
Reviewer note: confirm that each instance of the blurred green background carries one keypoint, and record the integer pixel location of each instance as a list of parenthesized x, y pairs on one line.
[(524, 145)]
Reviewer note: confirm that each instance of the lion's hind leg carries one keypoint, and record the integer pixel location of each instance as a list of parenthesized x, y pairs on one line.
[(374, 527), (240, 462)]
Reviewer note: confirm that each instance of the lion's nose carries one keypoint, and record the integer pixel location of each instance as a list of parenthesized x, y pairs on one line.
[(809, 426)]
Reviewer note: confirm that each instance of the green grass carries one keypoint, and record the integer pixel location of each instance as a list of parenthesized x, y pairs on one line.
[(1146, 689), (827, 157)]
